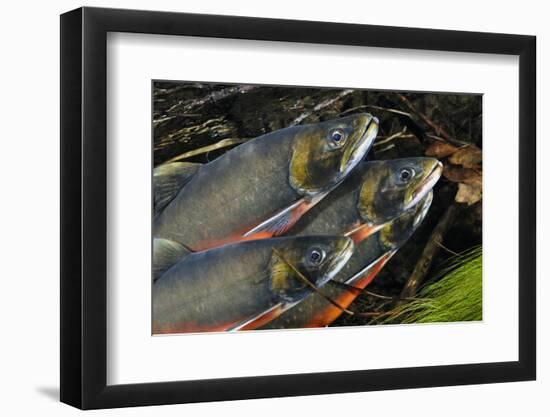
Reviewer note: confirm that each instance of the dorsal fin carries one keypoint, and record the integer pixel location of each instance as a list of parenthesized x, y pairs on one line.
[(165, 254), (168, 179)]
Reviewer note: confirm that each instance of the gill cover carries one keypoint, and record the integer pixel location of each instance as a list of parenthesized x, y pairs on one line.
[(391, 187), (316, 260), (324, 153)]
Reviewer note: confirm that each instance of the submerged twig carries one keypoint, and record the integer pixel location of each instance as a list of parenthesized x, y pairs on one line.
[(359, 291), (446, 249), (387, 148), (205, 149), (439, 130), (391, 137), (321, 106), (371, 106), (213, 97), (430, 251), (437, 138)]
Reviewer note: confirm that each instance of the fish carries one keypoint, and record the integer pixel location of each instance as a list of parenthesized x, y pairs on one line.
[(168, 179), (368, 259), (260, 188), (233, 285), (375, 193)]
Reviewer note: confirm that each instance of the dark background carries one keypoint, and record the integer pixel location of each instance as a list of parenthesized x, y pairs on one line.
[(198, 122)]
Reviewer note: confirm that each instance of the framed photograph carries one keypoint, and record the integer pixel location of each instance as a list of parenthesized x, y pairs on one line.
[(258, 208)]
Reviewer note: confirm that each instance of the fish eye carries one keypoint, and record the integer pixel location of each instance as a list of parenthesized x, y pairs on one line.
[(337, 136), (406, 174), (316, 256)]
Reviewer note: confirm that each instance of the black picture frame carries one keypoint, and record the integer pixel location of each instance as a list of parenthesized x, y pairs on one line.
[(84, 207)]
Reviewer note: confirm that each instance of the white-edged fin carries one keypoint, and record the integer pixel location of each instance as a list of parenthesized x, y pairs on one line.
[(382, 258), (363, 231), (262, 318), (168, 180), (165, 254), (282, 221), (277, 223)]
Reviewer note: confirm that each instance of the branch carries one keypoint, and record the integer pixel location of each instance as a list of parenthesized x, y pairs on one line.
[(213, 97), (439, 131), (321, 106), (387, 139), (218, 145), (430, 251), (370, 106)]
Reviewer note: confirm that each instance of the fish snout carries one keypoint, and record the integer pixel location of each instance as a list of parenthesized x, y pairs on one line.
[(343, 249), (433, 169), (436, 167), (365, 131)]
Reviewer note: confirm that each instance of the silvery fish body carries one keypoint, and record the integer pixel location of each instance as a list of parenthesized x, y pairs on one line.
[(226, 287)]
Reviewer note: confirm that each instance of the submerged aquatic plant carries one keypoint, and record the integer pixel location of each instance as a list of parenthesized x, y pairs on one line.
[(456, 294)]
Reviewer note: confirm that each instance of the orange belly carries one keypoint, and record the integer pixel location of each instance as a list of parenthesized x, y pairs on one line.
[(326, 316)]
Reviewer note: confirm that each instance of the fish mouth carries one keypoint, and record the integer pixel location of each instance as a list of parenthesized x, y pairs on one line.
[(338, 262), (361, 146), (426, 203), (426, 185)]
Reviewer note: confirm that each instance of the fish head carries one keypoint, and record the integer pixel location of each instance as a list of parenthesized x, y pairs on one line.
[(324, 153), (390, 188), (316, 259), (396, 232)]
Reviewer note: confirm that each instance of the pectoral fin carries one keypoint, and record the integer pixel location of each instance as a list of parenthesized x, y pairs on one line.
[(274, 226), (359, 281), (260, 319), (363, 231), (282, 221), (165, 254), (168, 179)]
